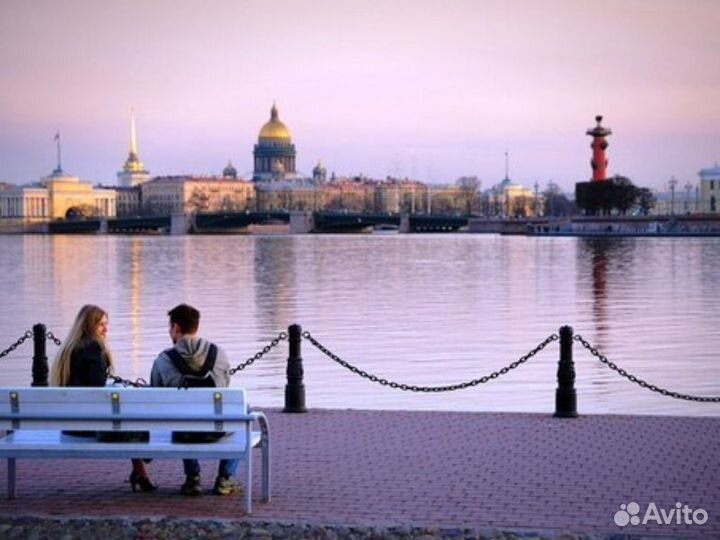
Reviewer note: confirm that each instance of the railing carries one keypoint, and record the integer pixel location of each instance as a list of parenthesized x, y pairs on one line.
[(565, 394)]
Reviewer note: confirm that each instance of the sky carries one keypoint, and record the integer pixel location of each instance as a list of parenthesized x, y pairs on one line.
[(431, 90)]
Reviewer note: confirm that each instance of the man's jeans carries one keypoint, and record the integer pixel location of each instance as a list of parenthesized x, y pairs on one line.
[(226, 468)]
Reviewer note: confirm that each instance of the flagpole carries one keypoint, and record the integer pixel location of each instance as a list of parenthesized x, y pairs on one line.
[(59, 153)]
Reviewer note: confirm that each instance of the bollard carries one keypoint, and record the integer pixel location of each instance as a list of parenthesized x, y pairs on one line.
[(565, 397), (295, 389), (40, 361)]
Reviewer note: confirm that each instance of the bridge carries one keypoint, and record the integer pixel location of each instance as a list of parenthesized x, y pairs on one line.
[(248, 222)]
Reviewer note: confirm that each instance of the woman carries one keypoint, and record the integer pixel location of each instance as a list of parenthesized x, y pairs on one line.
[(85, 360)]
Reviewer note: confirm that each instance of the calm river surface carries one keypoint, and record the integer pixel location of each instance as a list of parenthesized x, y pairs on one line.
[(418, 309)]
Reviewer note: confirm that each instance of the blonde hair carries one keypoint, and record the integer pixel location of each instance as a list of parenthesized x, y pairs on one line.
[(82, 331)]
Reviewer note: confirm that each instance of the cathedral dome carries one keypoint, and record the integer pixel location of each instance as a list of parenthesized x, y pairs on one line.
[(229, 171), (274, 130)]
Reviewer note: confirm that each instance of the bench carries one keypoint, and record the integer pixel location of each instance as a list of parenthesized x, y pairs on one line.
[(35, 419)]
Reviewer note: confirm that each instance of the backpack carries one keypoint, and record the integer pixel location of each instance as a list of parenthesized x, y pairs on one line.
[(194, 379)]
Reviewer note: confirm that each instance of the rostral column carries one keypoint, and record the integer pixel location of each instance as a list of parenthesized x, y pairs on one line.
[(599, 162)]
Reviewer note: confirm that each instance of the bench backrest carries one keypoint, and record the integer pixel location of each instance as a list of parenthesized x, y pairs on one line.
[(123, 409)]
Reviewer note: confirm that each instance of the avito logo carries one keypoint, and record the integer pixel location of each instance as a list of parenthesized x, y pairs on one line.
[(629, 514)]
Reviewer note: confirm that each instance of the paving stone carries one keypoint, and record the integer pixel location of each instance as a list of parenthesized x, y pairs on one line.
[(440, 474)]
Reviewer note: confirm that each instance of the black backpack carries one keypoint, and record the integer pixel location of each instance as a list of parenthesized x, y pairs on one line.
[(195, 379)]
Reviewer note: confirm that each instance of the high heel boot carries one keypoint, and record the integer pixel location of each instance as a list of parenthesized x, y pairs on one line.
[(143, 481)]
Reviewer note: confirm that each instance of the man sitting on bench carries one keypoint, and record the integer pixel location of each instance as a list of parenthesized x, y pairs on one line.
[(194, 362)]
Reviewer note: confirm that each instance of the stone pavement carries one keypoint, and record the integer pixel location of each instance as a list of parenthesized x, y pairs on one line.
[(519, 472)]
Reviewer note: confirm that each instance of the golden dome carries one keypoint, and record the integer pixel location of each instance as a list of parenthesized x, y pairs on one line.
[(274, 129)]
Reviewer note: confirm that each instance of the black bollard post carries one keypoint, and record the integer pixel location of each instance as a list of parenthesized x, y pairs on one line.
[(565, 397), (40, 361), (294, 389)]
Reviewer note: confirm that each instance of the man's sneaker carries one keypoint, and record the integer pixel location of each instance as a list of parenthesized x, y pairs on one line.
[(224, 486), (191, 486)]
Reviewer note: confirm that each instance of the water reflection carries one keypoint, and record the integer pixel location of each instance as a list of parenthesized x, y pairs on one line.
[(422, 309), (603, 260), (135, 301), (274, 284)]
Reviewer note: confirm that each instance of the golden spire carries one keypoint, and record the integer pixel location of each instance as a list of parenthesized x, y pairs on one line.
[(133, 163), (133, 139)]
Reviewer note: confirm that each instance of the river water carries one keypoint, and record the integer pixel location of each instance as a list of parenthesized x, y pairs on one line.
[(417, 309)]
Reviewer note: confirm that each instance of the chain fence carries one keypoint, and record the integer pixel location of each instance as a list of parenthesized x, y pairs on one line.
[(417, 388), (282, 336), (22, 339), (51, 337), (638, 381)]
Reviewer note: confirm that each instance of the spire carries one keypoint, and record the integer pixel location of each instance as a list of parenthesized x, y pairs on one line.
[(133, 138), (507, 166), (58, 170), (133, 163), (274, 112)]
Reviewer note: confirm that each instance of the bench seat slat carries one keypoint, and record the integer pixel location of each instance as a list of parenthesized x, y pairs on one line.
[(40, 444)]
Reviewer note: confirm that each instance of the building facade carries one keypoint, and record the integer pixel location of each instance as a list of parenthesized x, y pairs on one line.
[(710, 189), (57, 196), (192, 194)]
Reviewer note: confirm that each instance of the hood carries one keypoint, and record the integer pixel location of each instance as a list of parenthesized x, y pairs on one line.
[(193, 350)]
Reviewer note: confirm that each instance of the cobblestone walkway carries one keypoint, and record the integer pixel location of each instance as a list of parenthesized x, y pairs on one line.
[(438, 469)]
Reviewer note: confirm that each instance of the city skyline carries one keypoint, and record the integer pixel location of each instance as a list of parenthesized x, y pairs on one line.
[(407, 89)]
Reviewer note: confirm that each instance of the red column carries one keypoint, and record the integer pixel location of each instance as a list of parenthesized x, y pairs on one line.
[(599, 162)]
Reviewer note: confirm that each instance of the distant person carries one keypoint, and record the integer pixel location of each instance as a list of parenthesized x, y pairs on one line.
[(85, 360), (194, 362)]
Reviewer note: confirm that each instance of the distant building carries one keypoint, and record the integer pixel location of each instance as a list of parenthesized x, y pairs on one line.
[(710, 189), (133, 172), (128, 200), (274, 153), (508, 199), (299, 194), (190, 193), (57, 196)]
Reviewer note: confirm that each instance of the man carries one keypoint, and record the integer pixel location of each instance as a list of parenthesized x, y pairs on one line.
[(194, 361)]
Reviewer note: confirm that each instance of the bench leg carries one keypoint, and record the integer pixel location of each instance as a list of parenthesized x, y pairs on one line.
[(11, 477), (265, 447), (248, 483)]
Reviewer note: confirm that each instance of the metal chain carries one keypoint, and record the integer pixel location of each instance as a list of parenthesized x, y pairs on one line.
[(27, 335), (50, 336), (638, 381), (137, 383), (415, 388), (282, 336)]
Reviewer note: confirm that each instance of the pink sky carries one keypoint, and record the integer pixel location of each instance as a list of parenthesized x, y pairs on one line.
[(428, 89)]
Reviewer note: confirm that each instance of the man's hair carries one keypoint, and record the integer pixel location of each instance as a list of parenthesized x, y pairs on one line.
[(186, 317)]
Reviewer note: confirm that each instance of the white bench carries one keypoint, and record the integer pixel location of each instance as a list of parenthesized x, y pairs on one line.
[(35, 419)]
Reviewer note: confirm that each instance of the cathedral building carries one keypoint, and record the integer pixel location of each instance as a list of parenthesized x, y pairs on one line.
[(274, 153)]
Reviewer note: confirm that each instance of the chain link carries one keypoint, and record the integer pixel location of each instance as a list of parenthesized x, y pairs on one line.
[(137, 383), (282, 336), (638, 381), (27, 335), (416, 388), (50, 336)]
